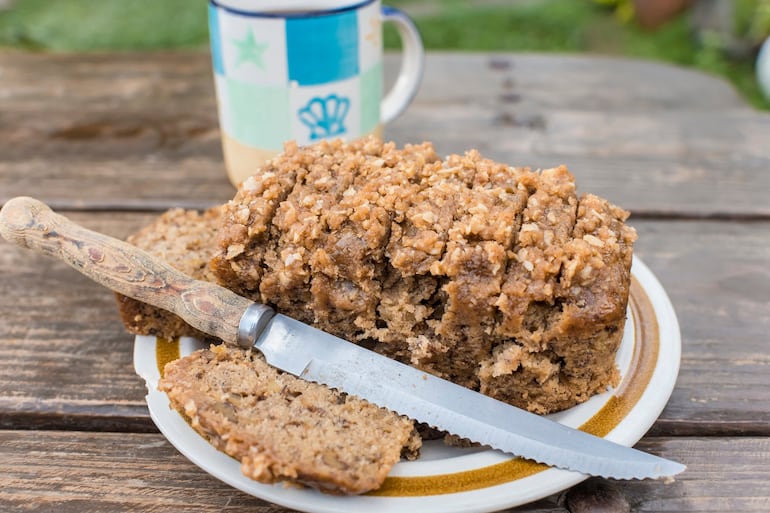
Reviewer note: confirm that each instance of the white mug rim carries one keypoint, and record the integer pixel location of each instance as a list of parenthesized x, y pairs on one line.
[(328, 7)]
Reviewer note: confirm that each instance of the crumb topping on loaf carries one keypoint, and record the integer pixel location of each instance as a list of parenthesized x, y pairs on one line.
[(499, 278)]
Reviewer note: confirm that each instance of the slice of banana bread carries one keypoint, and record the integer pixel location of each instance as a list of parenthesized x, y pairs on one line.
[(282, 428)]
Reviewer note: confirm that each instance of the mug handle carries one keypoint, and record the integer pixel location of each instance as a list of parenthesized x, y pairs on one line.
[(412, 64)]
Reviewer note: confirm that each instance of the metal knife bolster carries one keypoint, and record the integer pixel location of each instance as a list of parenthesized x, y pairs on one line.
[(253, 322)]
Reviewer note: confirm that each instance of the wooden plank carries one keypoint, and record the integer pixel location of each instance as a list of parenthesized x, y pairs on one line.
[(718, 279), (572, 81), (723, 474), (68, 360), (583, 82), (77, 471), (676, 171), (141, 130), (103, 80)]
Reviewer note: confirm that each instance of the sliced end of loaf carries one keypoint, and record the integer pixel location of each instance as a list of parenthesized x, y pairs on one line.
[(282, 428)]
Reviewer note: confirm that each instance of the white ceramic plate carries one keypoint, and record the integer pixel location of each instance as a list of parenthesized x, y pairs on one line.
[(446, 479)]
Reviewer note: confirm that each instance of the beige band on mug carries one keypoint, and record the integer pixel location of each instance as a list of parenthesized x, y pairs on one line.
[(242, 161)]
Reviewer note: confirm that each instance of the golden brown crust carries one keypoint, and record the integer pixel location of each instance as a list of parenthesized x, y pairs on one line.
[(246, 225), (349, 266), (572, 325), (300, 226)]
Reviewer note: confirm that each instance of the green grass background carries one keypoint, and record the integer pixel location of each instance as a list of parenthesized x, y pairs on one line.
[(524, 25)]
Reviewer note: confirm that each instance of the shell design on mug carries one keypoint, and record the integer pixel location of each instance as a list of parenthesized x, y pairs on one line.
[(325, 116)]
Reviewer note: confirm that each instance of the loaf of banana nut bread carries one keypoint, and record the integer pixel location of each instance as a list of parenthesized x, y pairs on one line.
[(499, 278), (284, 429)]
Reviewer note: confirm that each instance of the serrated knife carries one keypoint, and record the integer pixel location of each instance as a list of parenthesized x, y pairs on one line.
[(318, 356)]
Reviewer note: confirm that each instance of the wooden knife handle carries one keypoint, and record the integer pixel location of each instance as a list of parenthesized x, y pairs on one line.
[(123, 268)]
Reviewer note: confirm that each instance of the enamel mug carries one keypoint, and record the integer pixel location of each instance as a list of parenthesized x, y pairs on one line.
[(304, 71)]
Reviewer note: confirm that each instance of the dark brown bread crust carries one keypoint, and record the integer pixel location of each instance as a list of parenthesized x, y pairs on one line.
[(282, 428)]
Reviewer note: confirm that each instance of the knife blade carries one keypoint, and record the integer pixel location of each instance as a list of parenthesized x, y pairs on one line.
[(317, 356)]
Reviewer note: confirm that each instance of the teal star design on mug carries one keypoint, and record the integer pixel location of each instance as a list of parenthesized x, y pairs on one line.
[(249, 50)]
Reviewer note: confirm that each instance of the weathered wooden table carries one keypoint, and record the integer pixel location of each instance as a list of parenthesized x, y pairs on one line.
[(112, 140)]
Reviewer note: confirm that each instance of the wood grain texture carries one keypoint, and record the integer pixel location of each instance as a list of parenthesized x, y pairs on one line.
[(123, 268), (592, 83), (82, 472), (718, 278), (67, 361), (141, 129)]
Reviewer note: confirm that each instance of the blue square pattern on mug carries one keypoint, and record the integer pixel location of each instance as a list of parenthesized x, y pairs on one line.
[(322, 49), (216, 41)]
